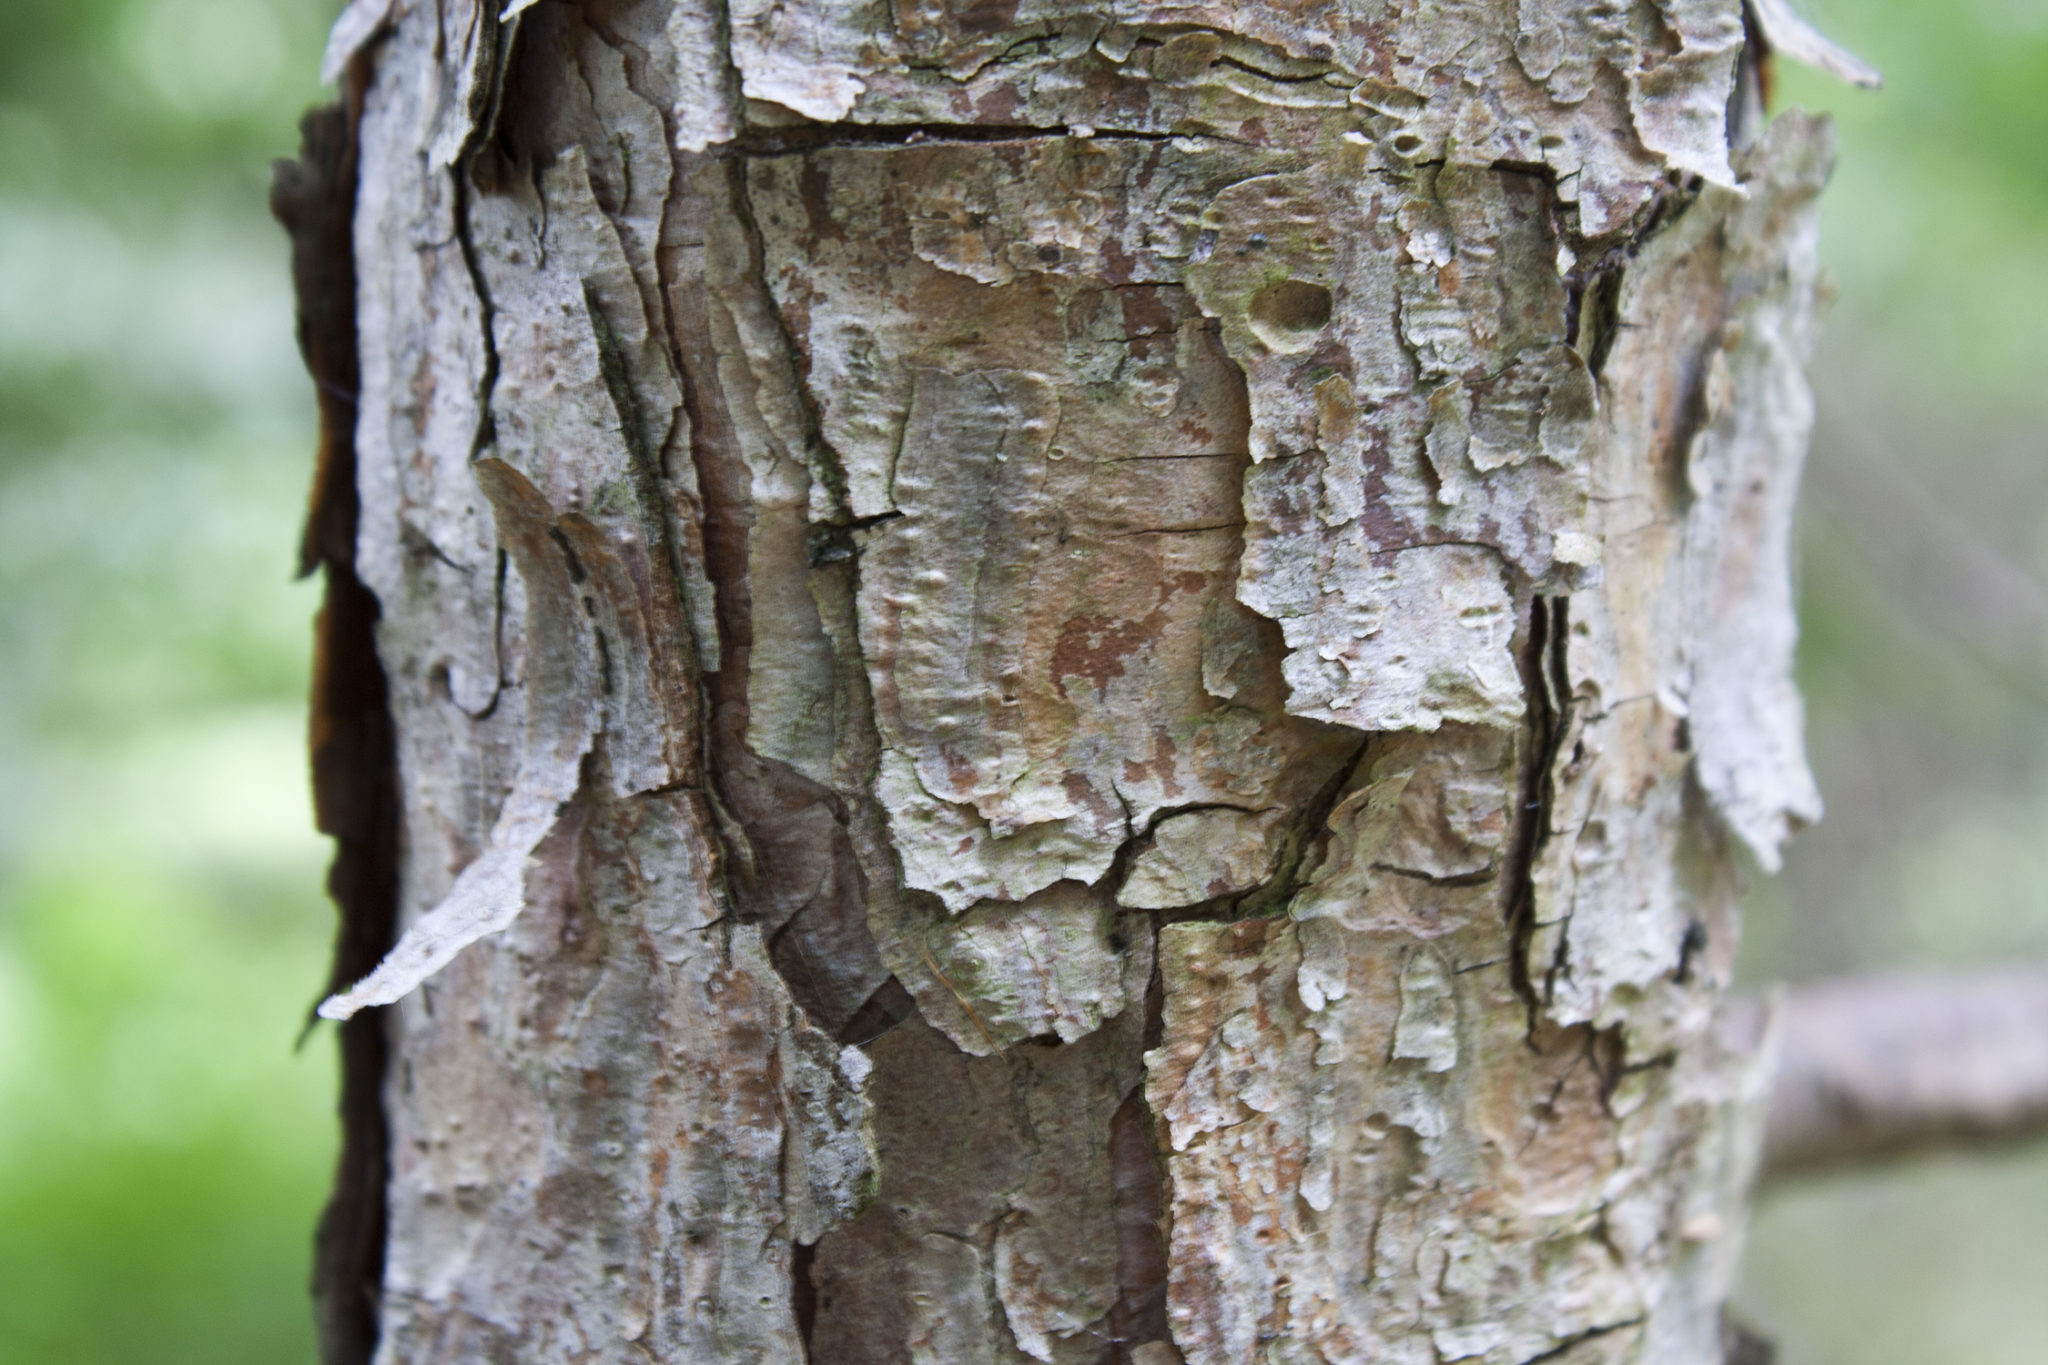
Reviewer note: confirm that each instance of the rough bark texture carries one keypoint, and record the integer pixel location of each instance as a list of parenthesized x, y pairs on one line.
[(1074, 682)]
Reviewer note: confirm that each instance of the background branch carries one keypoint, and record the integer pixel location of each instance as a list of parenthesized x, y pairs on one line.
[(1880, 1067)]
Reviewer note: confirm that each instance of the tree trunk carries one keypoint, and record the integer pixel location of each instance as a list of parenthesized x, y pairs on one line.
[(1065, 689)]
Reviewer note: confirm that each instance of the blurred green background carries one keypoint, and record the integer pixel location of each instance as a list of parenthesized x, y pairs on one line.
[(162, 1151), (162, 931)]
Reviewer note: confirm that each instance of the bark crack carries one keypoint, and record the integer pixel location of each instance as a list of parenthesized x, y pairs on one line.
[(462, 187), (1542, 660), (1295, 862), (760, 795), (1579, 1339), (1592, 281), (645, 462), (1453, 880), (763, 142)]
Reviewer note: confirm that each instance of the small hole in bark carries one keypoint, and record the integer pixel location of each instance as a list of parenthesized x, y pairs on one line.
[(1407, 144), (1288, 315)]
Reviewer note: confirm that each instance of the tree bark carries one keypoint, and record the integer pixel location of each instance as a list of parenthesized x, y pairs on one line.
[(1070, 683)]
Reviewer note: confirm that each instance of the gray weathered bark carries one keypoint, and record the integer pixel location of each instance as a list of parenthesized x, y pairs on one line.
[(1070, 682)]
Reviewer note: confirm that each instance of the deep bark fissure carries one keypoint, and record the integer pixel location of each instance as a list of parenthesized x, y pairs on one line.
[(1592, 282), (1141, 1270), (748, 787), (824, 543), (1141, 1192), (1542, 666), (460, 185), (1593, 285), (647, 478)]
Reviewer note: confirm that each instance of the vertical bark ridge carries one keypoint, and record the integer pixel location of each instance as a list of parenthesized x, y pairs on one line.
[(353, 761)]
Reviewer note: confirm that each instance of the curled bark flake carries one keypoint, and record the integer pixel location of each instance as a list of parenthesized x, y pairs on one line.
[(649, 727), (353, 31), (1743, 471), (1787, 32), (561, 721)]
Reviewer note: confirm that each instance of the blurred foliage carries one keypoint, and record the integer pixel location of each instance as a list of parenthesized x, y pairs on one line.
[(163, 1150)]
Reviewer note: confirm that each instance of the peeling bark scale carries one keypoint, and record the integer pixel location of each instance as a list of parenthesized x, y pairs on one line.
[(1060, 682)]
